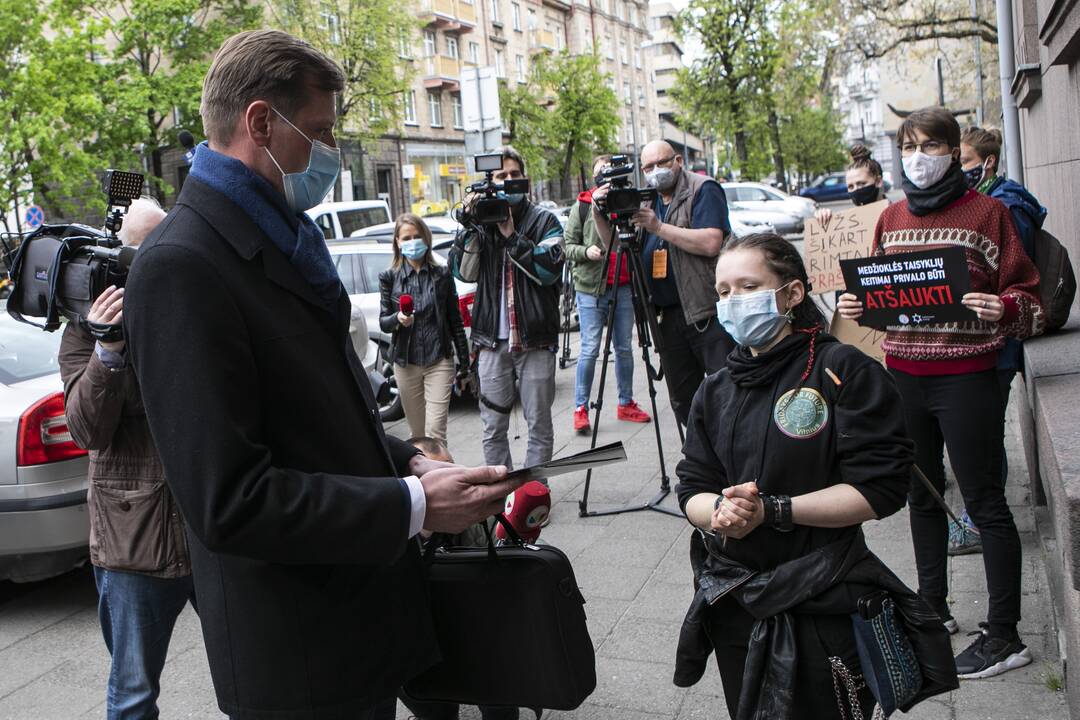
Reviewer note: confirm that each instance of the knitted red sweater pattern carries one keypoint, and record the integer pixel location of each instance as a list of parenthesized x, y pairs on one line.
[(997, 264)]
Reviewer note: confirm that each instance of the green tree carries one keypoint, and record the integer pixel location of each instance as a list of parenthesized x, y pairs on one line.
[(812, 141), (584, 118), (370, 39), (526, 118), (156, 55), (725, 87), (50, 111)]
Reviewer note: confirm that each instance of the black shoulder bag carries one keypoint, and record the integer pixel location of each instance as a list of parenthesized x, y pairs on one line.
[(510, 622)]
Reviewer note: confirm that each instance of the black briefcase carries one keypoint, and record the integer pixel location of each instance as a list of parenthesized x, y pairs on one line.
[(510, 622)]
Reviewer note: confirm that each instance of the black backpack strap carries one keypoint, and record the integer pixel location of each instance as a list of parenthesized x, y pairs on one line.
[(583, 213)]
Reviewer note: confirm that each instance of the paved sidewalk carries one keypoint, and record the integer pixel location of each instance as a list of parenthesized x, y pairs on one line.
[(635, 575)]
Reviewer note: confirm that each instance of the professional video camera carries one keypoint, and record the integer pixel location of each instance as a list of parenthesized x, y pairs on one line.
[(623, 199), (492, 207), (61, 269)]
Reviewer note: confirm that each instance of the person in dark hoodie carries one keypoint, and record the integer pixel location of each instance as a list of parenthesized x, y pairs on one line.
[(980, 149), (788, 450)]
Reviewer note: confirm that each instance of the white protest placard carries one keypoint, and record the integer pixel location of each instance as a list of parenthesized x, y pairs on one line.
[(847, 235)]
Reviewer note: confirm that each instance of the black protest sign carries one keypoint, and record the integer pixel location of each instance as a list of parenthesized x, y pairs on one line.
[(914, 288)]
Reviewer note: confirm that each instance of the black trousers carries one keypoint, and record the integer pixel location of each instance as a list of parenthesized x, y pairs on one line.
[(963, 413), (817, 638), (449, 711), (688, 354)]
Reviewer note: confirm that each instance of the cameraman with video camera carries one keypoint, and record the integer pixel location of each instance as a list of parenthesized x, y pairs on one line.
[(516, 265), (137, 543), (684, 230)]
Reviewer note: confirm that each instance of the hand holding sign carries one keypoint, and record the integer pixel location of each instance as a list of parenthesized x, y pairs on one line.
[(916, 288), (987, 307)]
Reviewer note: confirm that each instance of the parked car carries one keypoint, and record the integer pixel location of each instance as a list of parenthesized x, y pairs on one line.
[(359, 262), (788, 226), (743, 224), (759, 196), (342, 219), (442, 226), (44, 526)]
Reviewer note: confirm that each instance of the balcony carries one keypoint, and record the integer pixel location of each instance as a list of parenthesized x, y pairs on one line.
[(449, 15), (442, 72), (540, 40)]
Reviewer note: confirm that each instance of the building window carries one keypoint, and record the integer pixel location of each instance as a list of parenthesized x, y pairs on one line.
[(624, 56), (609, 48), (434, 101), (637, 58), (629, 134), (410, 108), (404, 46), (330, 23), (474, 53), (515, 13), (459, 115), (430, 44), (612, 8), (532, 19), (631, 14), (500, 66), (452, 47), (641, 96), (520, 61), (495, 11), (626, 92)]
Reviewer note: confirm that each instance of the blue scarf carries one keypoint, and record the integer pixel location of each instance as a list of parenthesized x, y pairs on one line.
[(296, 235)]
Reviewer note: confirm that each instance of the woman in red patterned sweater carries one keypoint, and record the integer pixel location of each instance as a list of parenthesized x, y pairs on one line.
[(947, 379)]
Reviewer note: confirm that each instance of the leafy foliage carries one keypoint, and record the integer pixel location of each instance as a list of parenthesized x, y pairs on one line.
[(368, 39)]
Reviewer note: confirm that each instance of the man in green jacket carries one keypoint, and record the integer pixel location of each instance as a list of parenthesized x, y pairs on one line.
[(589, 253)]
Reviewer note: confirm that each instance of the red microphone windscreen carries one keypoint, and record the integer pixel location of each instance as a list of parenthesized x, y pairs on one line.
[(406, 304)]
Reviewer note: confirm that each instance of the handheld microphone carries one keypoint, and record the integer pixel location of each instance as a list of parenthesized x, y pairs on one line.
[(527, 509), (405, 302), (187, 141)]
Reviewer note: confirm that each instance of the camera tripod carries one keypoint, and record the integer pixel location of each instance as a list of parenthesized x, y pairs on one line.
[(648, 333)]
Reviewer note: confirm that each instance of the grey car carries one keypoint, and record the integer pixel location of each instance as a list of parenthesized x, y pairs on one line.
[(44, 525)]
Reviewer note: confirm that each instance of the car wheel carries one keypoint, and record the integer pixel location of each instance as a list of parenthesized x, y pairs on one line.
[(392, 409)]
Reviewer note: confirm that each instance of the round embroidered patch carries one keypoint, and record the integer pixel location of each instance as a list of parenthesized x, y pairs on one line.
[(801, 415)]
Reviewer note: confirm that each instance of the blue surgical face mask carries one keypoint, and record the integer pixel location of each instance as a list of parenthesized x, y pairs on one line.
[(305, 190), (413, 249), (752, 319)]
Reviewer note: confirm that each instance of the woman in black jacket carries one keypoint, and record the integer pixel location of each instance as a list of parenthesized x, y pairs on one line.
[(788, 450), (425, 336)]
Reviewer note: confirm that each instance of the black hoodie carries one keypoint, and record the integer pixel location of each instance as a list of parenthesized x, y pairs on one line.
[(743, 429)]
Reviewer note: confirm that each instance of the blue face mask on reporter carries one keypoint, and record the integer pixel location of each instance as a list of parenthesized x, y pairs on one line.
[(413, 249), (752, 319), (305, 190)]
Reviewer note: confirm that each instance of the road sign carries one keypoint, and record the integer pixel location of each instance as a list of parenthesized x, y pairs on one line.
[(34, 217)]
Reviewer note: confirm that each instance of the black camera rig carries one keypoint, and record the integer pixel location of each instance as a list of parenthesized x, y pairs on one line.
[(623, 199), (62, 269), (491, 207)]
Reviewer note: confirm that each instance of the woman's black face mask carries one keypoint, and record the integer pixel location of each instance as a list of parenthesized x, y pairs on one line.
[(864, 195)]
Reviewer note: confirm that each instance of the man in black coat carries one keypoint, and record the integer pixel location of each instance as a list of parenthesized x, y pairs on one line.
[(301, 512)]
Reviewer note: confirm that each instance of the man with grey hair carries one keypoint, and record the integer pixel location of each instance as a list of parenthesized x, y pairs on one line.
[(302, 514), (137, 544)]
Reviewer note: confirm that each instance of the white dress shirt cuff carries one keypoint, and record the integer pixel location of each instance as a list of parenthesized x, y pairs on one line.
[(418, 505)]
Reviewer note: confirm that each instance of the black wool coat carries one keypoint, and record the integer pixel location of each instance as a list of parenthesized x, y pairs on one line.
[(311, 596)]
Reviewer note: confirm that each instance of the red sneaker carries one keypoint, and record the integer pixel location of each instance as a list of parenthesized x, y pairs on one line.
[(581, 421), (632, 413)]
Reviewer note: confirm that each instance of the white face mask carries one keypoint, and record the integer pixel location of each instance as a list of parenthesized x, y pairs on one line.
[(924, 170)]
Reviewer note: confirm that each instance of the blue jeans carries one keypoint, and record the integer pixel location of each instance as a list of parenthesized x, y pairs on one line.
[(593, 312), (137, 614)]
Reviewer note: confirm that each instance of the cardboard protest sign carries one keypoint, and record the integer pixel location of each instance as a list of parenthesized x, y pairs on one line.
[(914, 288), (847, 235), (851, 333)]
